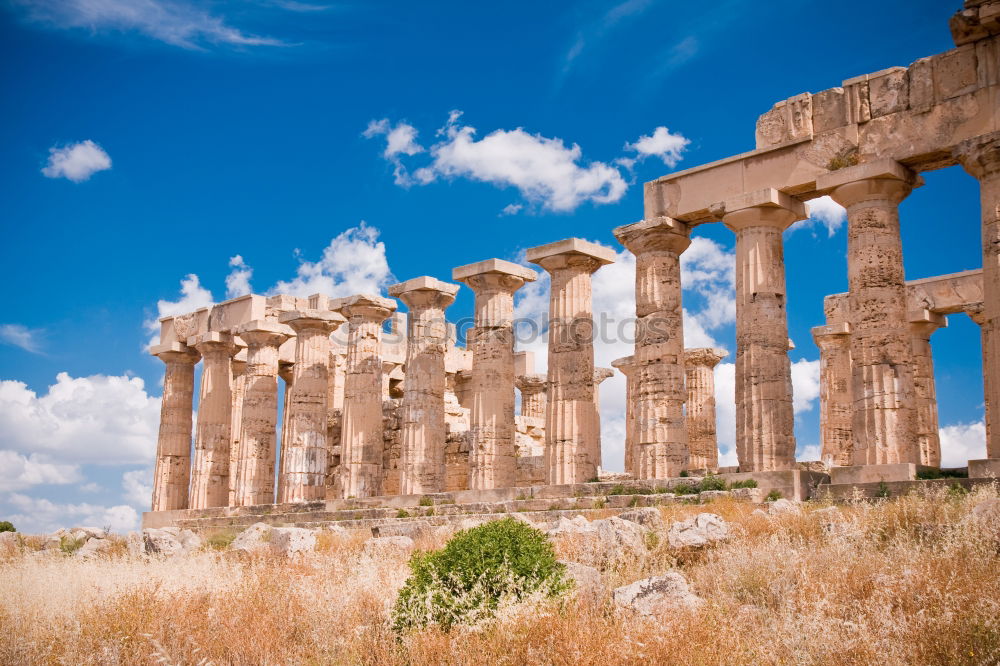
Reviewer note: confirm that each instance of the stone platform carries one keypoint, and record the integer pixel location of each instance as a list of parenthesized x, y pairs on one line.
[(876, 489), (537, 503)]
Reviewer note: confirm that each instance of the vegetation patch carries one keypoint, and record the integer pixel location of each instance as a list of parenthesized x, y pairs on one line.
[(6, 526)]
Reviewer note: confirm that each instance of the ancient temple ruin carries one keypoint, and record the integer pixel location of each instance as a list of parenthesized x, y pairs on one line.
[(391, 404)]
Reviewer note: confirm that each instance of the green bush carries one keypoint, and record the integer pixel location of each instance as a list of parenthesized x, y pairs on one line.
[(773, 495), (883, 490), (221, 540), (937, 473), (745, 483), (503, 560), (712, 482), (69, 545), (6, 526), (425, 501), (685, 489), (402, 513)]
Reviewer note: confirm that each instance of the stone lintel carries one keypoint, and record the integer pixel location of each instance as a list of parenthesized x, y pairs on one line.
[(886, 169), (873, 473), (210, 336), (571, 246), (423, 283), (925, 316), (462, 273), (294, 317), (942, 294), (266, 326), (840, 328), (854, 80), (178, 347)]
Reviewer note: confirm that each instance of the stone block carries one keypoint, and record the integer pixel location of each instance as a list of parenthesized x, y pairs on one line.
[(889, 92), (229, 315), (987, 468), (604, 255), (788, 120), (921, 75), (652, 597), (873, 473), (494, 266), (829, 110), (955, 73)]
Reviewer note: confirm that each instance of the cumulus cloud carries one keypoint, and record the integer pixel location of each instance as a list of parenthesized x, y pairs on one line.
[(353, 263), (20, 472), (661, 143), (708, 271), (77, 162), (962, 442), (137, 486), (21, 336), (39, 516), (98, 420), (400, 139), (193, 296), (173, 22), (825, 212), (238, 280), (805, 385)]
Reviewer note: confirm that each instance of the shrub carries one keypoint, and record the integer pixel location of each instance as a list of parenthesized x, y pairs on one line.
[(69, 545), (684, 473), (600, 503), (425, 501), (745, 483), (221, 540), (686, 489), (957, 490), (503, 560), (6, 526), (937, 473), (712, 482), (883, 490), (773, 495), (402, 513)]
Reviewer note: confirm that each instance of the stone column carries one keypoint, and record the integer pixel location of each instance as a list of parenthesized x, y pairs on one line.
[(213, 437), (765, 435), (304, 449), (422, 459), (533, 389), (572, 424), (255, 481), (836, 405), (922, 325), (173, 445), (627, 367), (239, 389), (492, 461), (600, 374), (981, 158), (661, 438), (700, 418), (361, 440), (285, 373), (884, 420)]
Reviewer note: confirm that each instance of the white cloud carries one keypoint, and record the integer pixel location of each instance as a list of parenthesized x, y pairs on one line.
[(962, 442), (20, 336), (138, 487), (353, 263), (809, 453), (174, 22), (511, 209), (400, 139), (98, 419), (20, 472), (238, 280), (725, 413), (805, 385), (661, 143), (708, 270), (77, 162), (193, 297), (40, 516), (823, 211)]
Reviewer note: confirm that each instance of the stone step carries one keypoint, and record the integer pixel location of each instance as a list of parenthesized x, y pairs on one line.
[(877, 489)]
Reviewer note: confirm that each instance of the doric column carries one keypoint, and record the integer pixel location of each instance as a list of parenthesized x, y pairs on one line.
[(213, 436), (600, 374), (255, 481), (173, 445), (922, 324), (572, 424), (492, 461), (361, 442), (765, 435), (533, 389), (661, 438), (700, 418), (884, 420), (836, 405), (627, 366), (422, 460), (239, 388), (304, 449), (981, 158), (285, 373), (338, 373)]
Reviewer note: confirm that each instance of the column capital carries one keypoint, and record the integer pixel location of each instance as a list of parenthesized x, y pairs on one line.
[(625, 364), (831, 334), (304, 320), (265, 333), (425, 292), (493, 274), (600, 374), (761, 208), (980, 156), (881, 179), (658, 234), (365, 306), (925, 322), (211, 341), (531, 384), (175, 352), (707, 356), (571, 253), (977, 313)]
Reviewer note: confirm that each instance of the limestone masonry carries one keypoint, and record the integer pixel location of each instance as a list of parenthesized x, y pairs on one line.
[(377, 403)]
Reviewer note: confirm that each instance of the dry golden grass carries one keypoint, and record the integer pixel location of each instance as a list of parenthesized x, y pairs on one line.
[(908, 581)]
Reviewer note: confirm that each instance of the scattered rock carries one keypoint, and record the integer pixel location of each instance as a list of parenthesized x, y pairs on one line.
[(93, 549), (256, 538), (79, 533), (702, 530), (388, 547), (9, 541), (654, 596), (709, 495), (409, 528), (134, 544), (987, 510), (289, 541), (170, 541), (649, 517), (621, 538), (600, 542), (783, 506), (588, 583), (755, 495)]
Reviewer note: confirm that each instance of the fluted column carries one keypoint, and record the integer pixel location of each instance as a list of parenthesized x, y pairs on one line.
[(572, 424), (239, 389), (600, 374), (361, 432), (765, 424), (255, 481), (981, 158), (922, 325), (422, 459), (213, 436), (699, 366), (661, 437), (173, 445), (627, 366), (492, 462), (835, 396), (286, 374), (884, 418), (533, 389), (304, 449)]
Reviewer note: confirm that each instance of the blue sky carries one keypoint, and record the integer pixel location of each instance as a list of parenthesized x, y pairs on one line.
[(148, 141)]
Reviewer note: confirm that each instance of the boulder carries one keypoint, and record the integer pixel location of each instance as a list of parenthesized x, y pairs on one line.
[(409, 528), (702, 530), (987, 510), (600, 542), (709, 495), (9, 542), (648, 517), (79, 533), (389, 547), (134, 544), (170, 541), (588, 583), (621, 538), (755, 495), (651, 597), (782, 506), (256, 538), (289, 541), (93, 549)]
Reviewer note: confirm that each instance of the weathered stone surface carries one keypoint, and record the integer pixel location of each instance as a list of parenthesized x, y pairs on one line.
[(782, 506), (173, 445), (588, 583), (699, 364), (256, 538), (649, 517), (93, 549), (213, 435), (702, 530), (289, 541), (170, 541), (389, 547), (410, 528), (755, 495), (656, 596)]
